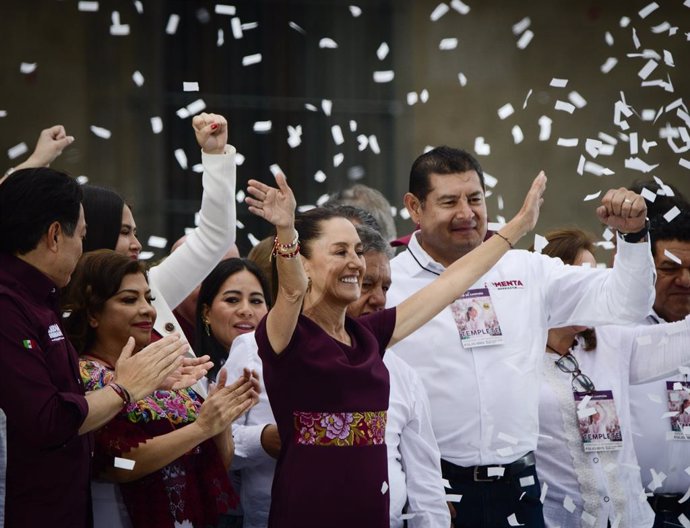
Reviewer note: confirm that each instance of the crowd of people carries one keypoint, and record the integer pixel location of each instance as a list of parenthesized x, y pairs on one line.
[(324, 381)]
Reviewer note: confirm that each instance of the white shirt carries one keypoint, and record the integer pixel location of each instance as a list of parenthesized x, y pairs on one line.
[(605, 485), (485, 400), (648, 403), (414, 466)]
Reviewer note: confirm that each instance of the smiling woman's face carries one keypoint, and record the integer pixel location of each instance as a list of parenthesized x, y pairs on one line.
[(237, 307)]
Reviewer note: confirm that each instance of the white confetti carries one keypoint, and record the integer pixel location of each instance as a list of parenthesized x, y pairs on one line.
[(382, 51), (384, 76), (173, 21), (87, 7), (157, 242), (460, 7), (424, 95), (196, 106), (138, 78), (564, 107), (540, 243), (524, 104), (481, 148), (156, 125), (544, 128), (512, 520), (327, 106), (320, 176), (355, 11), (496, 471), (3, 113), (609, 65), (27, 67), (353, 125), (221, 38), (607, 234), (440, 10), (640, 165), (338, 159), (239, 159), (587, 411), (567, 142), (636, 40), (448, 44), (453, 497), (668, 59), (337, 134), (588, 518), (327, 43), (544, 490), (521, 26), (525, 39), (648, 195), (190, 86), (384, 487), (505, 111), (139, 6), (248, 60), (224, 9), (182, 113), (648, 10), (181, 158), (18, 150), (568, 504), (100, 132), (518, 136), (126, 463), (581, 165), (262, 126), (412, 98), (527, 481), (671, 213), (683, 520), (647, 69), (671, 256), (624, 22), (81, 180), (294, 136), (592, 196), (296, 28), (374, 144), (577, 99), (462, 79), (558, 83), (236, 27), (608, 38), (117, 29), (684, 163)]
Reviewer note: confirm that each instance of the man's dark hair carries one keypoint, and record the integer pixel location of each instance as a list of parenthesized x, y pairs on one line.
[(103, 214), (30, 201), (441, 160), (676, 229), (663, 203)]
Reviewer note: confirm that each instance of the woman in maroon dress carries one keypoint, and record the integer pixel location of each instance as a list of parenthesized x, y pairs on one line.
[(323, 371)]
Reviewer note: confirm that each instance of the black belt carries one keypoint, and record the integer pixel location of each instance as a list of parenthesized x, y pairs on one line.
[(481, 473), (667, 502)]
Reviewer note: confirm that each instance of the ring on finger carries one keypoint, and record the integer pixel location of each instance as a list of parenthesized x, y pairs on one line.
[(627, 201)]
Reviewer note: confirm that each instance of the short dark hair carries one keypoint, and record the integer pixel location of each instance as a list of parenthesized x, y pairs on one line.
[(207, 344), (676, 229), (30, 201), (103, 213), (441, 160), (663, 203), (371, 200), (373, 241), (96, 279)]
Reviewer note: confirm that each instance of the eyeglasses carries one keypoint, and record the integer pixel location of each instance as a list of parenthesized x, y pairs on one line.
[(581, 382)]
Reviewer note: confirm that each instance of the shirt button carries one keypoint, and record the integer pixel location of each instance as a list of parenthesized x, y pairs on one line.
[(606, 499), (595, 460), (169, 327)]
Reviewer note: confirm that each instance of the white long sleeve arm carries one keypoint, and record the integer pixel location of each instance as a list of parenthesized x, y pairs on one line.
[(658, 350)]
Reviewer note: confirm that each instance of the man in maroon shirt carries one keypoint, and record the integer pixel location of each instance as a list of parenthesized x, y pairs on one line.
[(48, 414)]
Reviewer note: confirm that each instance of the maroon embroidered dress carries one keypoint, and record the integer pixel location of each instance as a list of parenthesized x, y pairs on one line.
[(191, 491), (330, 400)]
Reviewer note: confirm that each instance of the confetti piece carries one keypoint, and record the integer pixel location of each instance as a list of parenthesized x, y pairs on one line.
[(262, 126), (100, 132), (512, 520), (544, 490), (577, 99), (440, 10), (636, 40), (558, 83), (138, 78), (648, 10), (296, 28), (607, 234), (581, 165), (609, 139), (593, 196), (327, 43), (544, 128), (338, 159), (668, 59), (139, 7), (382, 51), (481, 148), (518, 136), (87, 7), (684, 163), (236, 27), (248, 60), (353, 125), (527, 481), (27, 67), (671, 213), (671, 256), (384, 76), (190, 86), (640, 165), (564, 107), (521, 26), (337, 134), (677, 386), (661, 28), (173, 22), (196, 106), (505, 111), (584, 401), (609, 65), (224, 9), (624, 22), (496, 471), (384, 487), (524, 104), (450, 497), (568, 142), (460, 7), (525, 39), (125, 463), (647, 69), (181, 158), (156, 125), (355, 11), (608, 38), (540, 243), (374, 144), (221, 38), (568, 504), (412, 98), (294, 136), (683, 520), (157, 242), (648, 195), (588, 518), (448, 44), (3, 113), (320, 176), (462, 79), (17, 150), (363, 142), (424, 95)]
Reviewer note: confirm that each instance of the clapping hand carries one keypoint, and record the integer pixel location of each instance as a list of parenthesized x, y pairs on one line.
[(276, 206), (211, 132), (187, 374), (623, 210), (529, 213)]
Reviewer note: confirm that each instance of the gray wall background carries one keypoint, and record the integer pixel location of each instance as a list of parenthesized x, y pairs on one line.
[(83, 78)]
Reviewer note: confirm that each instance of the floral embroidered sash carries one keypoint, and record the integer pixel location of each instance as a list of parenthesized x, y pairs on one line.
[(344, 429)]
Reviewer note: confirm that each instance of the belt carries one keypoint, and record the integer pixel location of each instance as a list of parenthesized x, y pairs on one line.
[(668, 502), (483, 474)]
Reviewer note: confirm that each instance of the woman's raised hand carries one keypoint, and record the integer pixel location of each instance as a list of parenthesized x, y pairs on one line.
[(277, 206), (188, 373), (211, 132), (529, 213)]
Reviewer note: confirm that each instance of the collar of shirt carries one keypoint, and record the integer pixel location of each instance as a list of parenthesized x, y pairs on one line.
[(19, 275), (422, 258)]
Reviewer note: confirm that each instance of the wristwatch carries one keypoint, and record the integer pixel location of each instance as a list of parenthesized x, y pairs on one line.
[(636, 236)]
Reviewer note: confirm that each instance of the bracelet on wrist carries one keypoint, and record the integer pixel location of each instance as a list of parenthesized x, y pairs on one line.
[(637, 236), (290, 250), (504, 238), (121, 392)]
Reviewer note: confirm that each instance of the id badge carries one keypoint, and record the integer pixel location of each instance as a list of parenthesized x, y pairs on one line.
[(598, 422), (679, 409), (476, 319)]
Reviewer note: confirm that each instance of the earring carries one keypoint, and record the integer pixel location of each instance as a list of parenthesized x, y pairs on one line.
[(308, 284), (207, 327)]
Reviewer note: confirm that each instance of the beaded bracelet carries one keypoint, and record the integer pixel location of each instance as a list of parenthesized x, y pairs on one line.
[(121, 392), (288, 255), (504, 238), (278, 246)]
